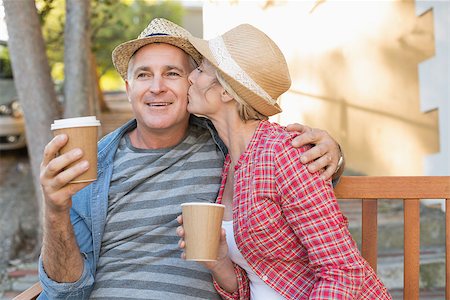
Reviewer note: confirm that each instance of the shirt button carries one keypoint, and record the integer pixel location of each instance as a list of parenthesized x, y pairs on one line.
[(264, 278), (271, 221)]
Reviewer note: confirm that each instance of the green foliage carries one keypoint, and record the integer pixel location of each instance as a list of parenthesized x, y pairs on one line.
[(5, 63), (115, 22), (112, 22), (53, 16)]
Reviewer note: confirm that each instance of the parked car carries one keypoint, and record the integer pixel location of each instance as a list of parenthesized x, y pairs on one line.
[(12, 124)]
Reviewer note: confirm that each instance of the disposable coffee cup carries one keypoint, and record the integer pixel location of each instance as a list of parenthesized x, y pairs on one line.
[(82, 133), (202, 224)]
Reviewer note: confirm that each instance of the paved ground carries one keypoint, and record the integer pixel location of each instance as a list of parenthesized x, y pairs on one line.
[(19, 278), (18, 217)]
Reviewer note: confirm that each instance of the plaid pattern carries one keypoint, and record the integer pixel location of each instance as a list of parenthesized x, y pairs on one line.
[(289, 228)]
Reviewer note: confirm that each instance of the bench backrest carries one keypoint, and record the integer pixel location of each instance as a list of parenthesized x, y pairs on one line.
[(370, 189), (409, 190)]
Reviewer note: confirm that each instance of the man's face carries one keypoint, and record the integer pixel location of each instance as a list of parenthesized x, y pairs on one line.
[(157, 87)]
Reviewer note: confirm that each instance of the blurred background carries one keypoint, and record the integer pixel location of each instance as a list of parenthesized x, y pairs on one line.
[(375, 74)]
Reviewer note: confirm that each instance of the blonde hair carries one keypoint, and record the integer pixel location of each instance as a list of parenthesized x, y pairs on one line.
[(246, 112)]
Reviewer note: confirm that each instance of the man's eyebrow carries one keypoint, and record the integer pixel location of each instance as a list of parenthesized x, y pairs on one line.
[(173, 67), (141, 68), (167, 67)]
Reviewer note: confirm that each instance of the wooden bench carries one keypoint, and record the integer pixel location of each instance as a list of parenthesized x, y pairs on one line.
[(371, 189), (31, 293), (409, 190)]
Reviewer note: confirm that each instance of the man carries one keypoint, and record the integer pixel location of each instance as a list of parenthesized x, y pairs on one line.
[(115, 238)]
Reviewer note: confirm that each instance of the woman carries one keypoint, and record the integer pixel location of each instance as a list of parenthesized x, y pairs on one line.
[(283, 225)]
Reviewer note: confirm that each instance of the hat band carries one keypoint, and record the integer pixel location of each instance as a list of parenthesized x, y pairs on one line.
[(228, 65), (155, 34)]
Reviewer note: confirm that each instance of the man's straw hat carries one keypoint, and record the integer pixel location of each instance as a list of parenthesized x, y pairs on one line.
[(158, 31), (251, 63)]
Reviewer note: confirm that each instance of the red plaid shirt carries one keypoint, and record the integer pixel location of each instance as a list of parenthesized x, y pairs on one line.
[(289, 228)]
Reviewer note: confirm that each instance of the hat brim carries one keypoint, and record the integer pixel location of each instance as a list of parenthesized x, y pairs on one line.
[(257, 102), (122, 53)]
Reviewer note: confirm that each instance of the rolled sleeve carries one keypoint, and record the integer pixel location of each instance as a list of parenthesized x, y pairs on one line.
[(79, 289), (243, 291)]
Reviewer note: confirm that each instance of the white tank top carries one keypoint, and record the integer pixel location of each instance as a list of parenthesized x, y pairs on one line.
[(259, 290)]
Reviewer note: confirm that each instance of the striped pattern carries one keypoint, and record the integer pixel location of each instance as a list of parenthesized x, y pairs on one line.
[(140, 258)]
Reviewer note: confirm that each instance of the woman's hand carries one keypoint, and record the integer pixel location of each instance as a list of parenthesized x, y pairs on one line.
[(222, 269), (223, 247)]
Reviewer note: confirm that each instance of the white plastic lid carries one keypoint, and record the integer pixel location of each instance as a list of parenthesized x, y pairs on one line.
[(75, 122)]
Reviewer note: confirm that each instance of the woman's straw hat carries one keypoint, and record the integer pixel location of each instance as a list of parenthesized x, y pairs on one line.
[(251, 63), (158, 31)]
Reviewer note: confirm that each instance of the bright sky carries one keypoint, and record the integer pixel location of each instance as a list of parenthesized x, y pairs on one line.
[(3, 33)]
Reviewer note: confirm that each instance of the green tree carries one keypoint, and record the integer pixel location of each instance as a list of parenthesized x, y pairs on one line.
[(5, 63), (32, 80), (112, 22)]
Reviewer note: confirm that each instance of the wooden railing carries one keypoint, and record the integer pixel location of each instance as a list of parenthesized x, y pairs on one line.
[(409, 190), (370, 189)]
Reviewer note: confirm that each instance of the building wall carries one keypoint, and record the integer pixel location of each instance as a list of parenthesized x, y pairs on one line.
[(434, 75), (354, 68), (193, 17)]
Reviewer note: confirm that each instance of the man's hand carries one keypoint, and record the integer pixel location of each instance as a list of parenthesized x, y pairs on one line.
[(325, 153), (60, 253), (55, 178)]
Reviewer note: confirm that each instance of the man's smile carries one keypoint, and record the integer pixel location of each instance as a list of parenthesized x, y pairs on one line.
[(158, 104)]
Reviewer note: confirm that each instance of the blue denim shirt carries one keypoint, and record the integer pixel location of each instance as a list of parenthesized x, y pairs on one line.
[(88, 215)]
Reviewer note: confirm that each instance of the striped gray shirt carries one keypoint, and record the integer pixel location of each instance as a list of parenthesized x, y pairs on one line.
[(139, 257)]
